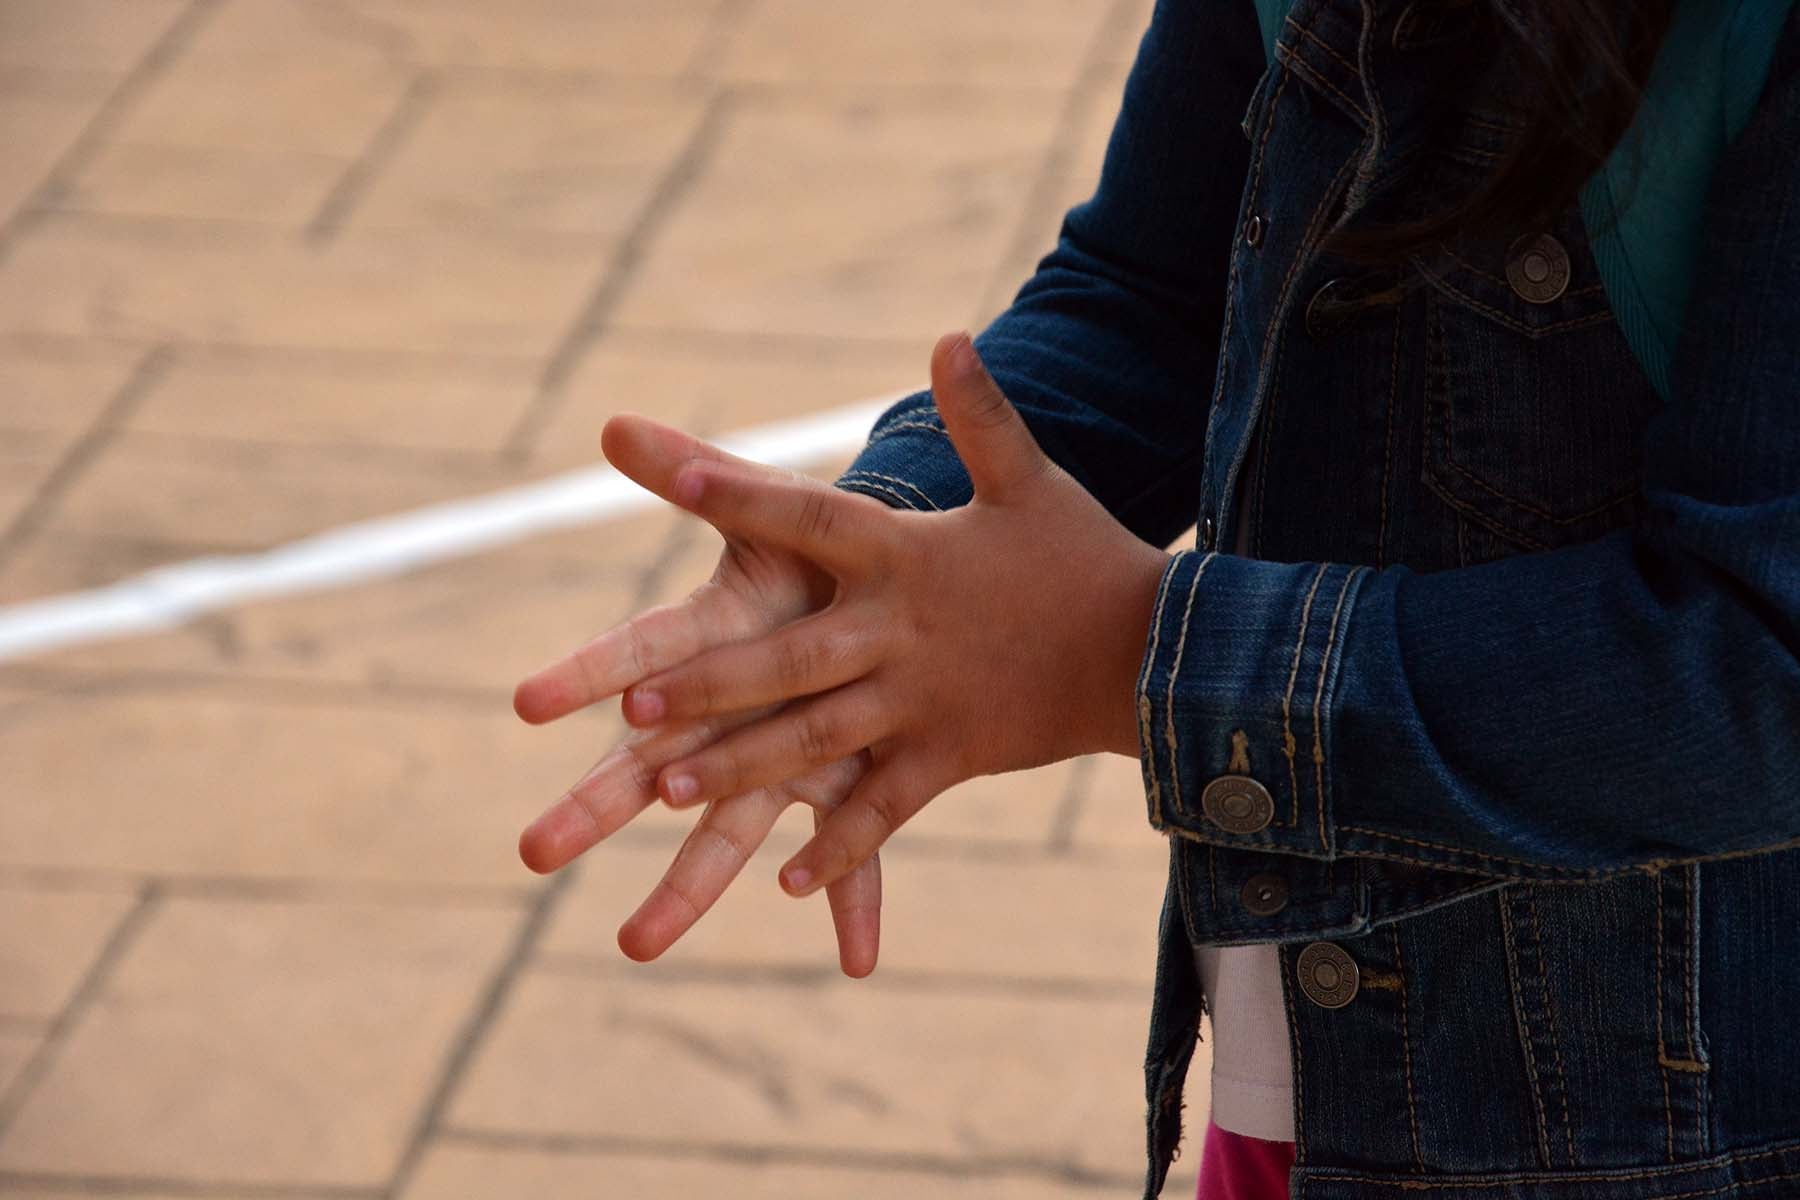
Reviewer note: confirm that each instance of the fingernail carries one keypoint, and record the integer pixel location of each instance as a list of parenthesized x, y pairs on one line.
[(795, 879), (962, 355), (648, 706), (681, 788)]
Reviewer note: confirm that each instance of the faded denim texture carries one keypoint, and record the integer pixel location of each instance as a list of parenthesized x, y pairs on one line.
[(1517, 651)]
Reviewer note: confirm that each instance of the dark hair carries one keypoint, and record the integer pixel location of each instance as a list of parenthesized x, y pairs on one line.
[(1586, 64)]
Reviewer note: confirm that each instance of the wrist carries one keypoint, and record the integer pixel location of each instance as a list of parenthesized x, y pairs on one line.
[(1134, 611)]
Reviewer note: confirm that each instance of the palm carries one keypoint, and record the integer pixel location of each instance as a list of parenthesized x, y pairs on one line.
[(754, 590)]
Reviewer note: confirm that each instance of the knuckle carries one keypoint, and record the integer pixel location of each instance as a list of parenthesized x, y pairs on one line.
[(794, 661), (732, 844), (817, 735), (640, 772), (684, 893), (698, 693), (721, 774), (833, 853), (884, 813), (990, 408), (817, 516), (637, 652)]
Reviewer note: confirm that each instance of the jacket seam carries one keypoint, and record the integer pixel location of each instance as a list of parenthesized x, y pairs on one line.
[(1412, 1104), (1300, 66), (1288, 742), (1146, 734), (1319, 771), (1524, 1027), (896, 481), (1174, 675), (878, 490), (1412, 1186)]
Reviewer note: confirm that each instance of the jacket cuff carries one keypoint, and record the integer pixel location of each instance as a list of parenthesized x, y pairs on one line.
[(909, 461), (1236, 698)]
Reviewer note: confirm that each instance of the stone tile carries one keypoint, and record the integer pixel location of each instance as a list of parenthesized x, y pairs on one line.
[(285, 97), (850, 212), (1017, 808), (339, 402), (67, 1188), (237, 285), (1121, 44), (26, 459), (83, 35), (477, 624), (715, 386), (60, 388), (16, 1050), (242, 32), (1038, 42), (1090, 918), (1094, 126), (838, 1067), (549, 156), (1073, 184), (41, 113), (48, 941), (165, 779), (240, 183), (455, 1172), (228, 494), (1113, 813), (48, 400), (624, 37), (40, 568), (600, 37), (262, 1042), (258, 136)]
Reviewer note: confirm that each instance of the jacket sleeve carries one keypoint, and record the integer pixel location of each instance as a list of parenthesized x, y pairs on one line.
[(1623, 703), (1109, 349)]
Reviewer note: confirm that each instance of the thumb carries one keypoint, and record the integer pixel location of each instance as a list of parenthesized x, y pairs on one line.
[(989, 435)]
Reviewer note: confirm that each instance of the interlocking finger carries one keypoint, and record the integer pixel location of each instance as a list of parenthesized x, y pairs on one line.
[(809, 656), (801, 736), (840, 530), (615, 790), (856, 913), (650, 642), (851, 834), (713, 853), (650, 453)]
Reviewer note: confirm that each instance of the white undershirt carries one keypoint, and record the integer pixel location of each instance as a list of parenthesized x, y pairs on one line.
[(1252, 1075)]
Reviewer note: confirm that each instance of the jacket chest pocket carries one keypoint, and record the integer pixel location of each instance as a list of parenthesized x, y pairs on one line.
[(1535, 407)]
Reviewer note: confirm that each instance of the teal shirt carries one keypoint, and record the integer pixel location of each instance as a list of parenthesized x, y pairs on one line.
[(1643, 208)]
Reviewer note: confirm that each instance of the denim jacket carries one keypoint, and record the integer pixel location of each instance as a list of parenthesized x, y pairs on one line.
[(1496, 729)]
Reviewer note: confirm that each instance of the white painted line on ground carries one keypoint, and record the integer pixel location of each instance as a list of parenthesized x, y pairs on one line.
[(167, 596)]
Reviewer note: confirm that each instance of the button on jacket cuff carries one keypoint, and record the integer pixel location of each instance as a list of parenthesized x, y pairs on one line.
[(1238, 680)]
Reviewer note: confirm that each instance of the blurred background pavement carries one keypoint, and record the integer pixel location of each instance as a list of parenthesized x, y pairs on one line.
[(270, 267)]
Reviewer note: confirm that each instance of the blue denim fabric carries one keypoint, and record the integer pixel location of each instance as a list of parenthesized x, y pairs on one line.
[(1516, 652)]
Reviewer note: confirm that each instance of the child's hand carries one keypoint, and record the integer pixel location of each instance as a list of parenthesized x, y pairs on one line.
[(754, 590), (998, 636)]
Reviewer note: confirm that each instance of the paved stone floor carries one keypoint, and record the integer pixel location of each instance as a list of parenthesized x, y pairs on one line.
[(271, 266)]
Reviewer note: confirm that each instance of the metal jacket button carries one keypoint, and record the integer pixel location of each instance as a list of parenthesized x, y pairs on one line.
[(1537, 266), (1332, 307), (1207, 533), (1265, 895), (1237, 804), (1328, 976), (1253, 232)]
